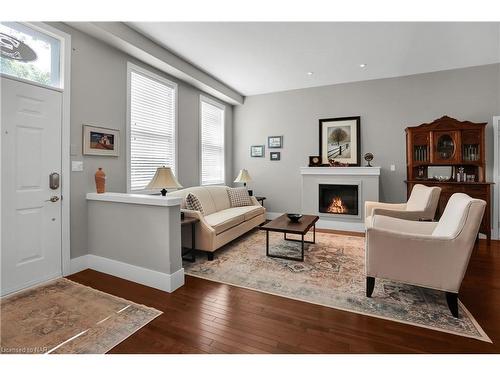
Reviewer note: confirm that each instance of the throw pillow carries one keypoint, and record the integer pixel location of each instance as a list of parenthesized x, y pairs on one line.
[(239, 197), (193, 203)]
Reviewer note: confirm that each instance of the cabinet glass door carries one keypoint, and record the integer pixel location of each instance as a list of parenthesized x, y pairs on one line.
[(445, 147)]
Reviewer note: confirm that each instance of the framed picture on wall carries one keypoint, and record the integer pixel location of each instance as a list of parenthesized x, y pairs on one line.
[(275, 156), (257, 151), (340, 140), (275, 141), (101, 141)]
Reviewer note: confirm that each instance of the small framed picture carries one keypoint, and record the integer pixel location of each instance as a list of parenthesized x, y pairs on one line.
[(101, 141), (275, 141), (314, 161), (257, 151), (275, 156)]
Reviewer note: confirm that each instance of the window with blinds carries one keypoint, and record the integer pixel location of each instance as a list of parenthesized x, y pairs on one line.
[(212, 142), (152, 126)]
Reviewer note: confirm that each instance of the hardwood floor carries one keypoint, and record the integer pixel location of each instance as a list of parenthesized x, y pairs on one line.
[(208, 317)]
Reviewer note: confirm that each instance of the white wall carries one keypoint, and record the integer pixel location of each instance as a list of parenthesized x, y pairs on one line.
[(386, 107)]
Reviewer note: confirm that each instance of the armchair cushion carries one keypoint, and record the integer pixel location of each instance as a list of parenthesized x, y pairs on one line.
[(454, 216)]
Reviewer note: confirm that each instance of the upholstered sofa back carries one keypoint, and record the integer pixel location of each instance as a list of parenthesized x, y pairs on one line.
[(212, 198)]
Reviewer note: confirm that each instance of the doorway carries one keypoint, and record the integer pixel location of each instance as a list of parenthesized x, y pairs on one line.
[(34, 161)]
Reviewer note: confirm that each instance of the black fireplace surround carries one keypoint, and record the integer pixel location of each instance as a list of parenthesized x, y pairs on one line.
[(338, 199)]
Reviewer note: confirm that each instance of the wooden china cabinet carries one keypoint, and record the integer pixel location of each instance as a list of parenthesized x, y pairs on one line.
[(457, 145)]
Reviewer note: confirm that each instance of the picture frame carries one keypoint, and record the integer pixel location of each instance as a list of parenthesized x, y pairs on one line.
[(340, 140), (315, 161), (257, 151), (100, 141), (275, 141), (275, 156)]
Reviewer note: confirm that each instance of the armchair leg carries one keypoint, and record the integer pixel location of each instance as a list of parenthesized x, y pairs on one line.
[(370, 285), (452, 300), (210, 256)]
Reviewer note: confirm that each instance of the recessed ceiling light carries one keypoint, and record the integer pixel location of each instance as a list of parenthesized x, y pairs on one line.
[(362, 65), (310, 73)]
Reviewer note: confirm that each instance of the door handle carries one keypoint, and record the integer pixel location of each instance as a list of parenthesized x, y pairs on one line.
[(53, 199)]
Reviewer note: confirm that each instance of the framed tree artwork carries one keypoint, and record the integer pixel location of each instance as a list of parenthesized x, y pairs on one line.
[(340, 140)]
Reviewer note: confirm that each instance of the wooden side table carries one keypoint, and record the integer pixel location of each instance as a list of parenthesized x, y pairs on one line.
[(261, 200), (192, 222)]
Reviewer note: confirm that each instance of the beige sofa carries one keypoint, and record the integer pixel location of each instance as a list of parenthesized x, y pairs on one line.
[(429, 254), (220, 223)]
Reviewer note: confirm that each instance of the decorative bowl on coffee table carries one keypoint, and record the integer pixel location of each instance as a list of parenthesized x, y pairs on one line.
[(294, 218)]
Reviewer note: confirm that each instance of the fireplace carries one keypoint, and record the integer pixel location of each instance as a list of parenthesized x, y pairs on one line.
[(338, 199)]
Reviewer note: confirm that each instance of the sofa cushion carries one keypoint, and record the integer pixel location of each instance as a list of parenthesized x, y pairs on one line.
[(193, 203), (225, 219), (251, 211), (239, 197), (220, 197)]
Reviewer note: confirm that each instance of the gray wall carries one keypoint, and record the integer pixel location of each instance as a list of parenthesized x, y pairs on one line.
[(99, 97), (386, 107)]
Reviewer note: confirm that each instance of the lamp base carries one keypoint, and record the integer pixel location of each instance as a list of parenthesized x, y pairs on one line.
[(163, 192)]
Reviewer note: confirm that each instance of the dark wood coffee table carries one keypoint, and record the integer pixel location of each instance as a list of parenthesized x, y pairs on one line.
[(283, 225)]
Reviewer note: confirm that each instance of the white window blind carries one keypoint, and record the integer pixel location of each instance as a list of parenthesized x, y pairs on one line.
[(152, 127), (212, 142)]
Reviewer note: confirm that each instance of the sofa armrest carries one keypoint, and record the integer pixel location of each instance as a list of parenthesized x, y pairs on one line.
[(254, 200), (370, 206), (197, 214)]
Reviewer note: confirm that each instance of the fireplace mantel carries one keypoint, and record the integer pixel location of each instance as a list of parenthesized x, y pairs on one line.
[(341, 171)]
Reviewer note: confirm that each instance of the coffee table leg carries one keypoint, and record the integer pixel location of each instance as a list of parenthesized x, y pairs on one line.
[(267, 243), (314, 233), (302, 255)]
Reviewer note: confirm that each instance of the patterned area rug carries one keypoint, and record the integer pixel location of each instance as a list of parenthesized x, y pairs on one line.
[(66, 317), (332, 275)]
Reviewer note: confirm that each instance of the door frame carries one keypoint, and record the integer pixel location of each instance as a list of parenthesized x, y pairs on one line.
[(496, 178), (65, 76)]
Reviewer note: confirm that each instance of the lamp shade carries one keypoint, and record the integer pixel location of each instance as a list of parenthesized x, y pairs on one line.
[(164, 179), (243, 176)]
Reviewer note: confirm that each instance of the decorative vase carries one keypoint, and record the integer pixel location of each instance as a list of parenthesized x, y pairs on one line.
[(100, 181)]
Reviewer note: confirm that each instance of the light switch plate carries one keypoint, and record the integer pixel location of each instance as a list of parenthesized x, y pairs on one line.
[(77, 166), (393, 167)]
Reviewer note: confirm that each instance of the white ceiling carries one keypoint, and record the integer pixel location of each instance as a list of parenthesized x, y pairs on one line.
[(256, 57)]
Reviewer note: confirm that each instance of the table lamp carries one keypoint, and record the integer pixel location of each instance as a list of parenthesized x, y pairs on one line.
[(164, 179), (244, 177)]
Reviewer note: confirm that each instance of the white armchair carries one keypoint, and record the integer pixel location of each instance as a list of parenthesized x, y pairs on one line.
[(421, 205), (429, 254)]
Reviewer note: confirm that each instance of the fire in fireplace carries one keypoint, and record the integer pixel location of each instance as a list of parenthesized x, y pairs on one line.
[(338, 199), (336, 206)]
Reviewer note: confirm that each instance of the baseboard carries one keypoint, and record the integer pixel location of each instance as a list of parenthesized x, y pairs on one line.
[(328, 224), (144, 276), (79, 264)]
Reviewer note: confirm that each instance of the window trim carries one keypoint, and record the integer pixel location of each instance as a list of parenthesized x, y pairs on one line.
[(131, 67), (221, 106)]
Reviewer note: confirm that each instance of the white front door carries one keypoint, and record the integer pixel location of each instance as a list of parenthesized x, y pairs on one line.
[(31, 152)]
